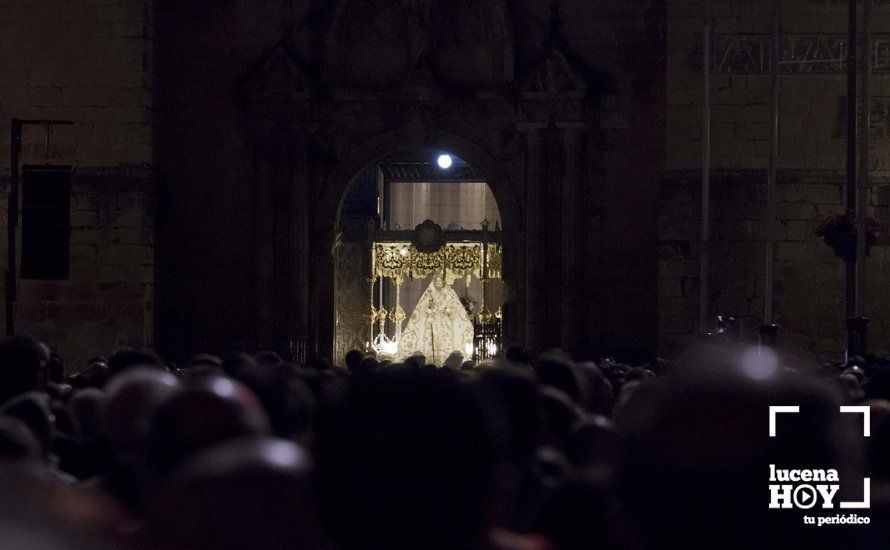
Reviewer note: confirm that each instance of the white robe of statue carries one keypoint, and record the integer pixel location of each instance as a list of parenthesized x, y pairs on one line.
[(438, 325)]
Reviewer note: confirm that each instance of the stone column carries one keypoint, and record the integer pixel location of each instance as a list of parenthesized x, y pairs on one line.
[(300, 197), (281, 229), (572, 279), (284, 143), (552, 253), (534, 239), (263, 175)]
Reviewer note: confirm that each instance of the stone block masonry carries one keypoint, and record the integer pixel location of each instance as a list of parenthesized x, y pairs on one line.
[(809, 278), (91, 63), (108, 299), (808, 297)]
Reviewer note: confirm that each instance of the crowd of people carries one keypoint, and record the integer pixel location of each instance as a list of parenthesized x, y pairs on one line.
[(521, 453)]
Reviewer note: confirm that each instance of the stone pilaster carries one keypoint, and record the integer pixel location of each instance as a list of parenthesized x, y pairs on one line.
[(535, 267)]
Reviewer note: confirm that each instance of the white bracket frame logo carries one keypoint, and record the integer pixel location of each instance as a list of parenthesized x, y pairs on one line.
[(845, 409)]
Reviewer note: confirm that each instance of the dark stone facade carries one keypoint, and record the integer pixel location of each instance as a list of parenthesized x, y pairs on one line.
[(266, 120), (213, 143)]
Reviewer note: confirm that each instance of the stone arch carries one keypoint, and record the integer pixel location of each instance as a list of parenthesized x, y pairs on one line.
[(368, 151), (336, 186)]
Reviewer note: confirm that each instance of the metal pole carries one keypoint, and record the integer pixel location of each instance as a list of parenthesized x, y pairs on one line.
[(706, 174), (850, 263), (773, 161), (862, 203), (12, 220)]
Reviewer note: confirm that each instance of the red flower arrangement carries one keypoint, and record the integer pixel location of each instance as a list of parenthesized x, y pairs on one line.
[(839, 232)]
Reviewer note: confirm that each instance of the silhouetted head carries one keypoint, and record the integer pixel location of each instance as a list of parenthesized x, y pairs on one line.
[(857, 372), (557, 415), (245, 493), (368, 364), (416, 360), (556, 369), (287, 400), (454, 360), (32, 408), (236, 363), (595, 448), (205, 412), (85, 410), (95, 375), (269, 358), (354, 359), (39, 513), (130, 401), (204, 360), (578, 515), (513, 394), (702, 432), (850, 387), (517, 356), (17, 442), (23, 366), (318, 363), (56, 368), (406, 462), (596, 391), (125, 358)]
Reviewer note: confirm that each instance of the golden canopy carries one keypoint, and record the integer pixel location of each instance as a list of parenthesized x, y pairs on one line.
[(398, 260)]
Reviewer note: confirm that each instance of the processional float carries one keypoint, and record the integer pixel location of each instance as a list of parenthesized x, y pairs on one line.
[(398, 255)]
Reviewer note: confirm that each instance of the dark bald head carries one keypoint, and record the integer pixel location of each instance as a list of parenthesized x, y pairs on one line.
[(244, 493), (406, 462), (17, 442), (130, 400), (85, 409), (23, 366), (702, 432), (206, 411), (32, 408)]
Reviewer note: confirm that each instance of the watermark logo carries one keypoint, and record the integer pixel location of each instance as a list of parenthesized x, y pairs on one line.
[(806, 489)]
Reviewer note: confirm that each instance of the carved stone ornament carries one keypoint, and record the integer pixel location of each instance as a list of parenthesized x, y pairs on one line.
[(279, 76), (428, 237)]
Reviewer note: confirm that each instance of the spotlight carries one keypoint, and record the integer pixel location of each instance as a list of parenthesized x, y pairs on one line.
[(444, 162)]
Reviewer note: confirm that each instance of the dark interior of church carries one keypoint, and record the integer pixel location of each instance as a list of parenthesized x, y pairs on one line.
[(444, 274)]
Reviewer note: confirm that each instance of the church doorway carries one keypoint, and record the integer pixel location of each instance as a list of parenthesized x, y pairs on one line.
[(386, 208)]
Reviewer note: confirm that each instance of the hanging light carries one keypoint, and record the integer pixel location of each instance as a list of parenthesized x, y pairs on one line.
[(388, 346), (445, 161)]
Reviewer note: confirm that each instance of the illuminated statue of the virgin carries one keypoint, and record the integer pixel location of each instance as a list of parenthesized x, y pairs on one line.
[(438, 325)]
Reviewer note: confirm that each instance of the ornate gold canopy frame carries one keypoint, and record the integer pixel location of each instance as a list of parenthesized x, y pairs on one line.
[(425, 251)]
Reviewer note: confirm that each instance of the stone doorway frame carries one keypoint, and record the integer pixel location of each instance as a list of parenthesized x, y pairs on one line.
[(326, 225), (534, 143)]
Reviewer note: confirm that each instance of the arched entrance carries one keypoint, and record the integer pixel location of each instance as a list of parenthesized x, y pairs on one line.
[(532, 136), (439, 192), (350, 204)]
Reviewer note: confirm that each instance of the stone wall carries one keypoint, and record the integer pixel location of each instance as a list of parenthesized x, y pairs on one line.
[(90, 63), (809, 301)]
